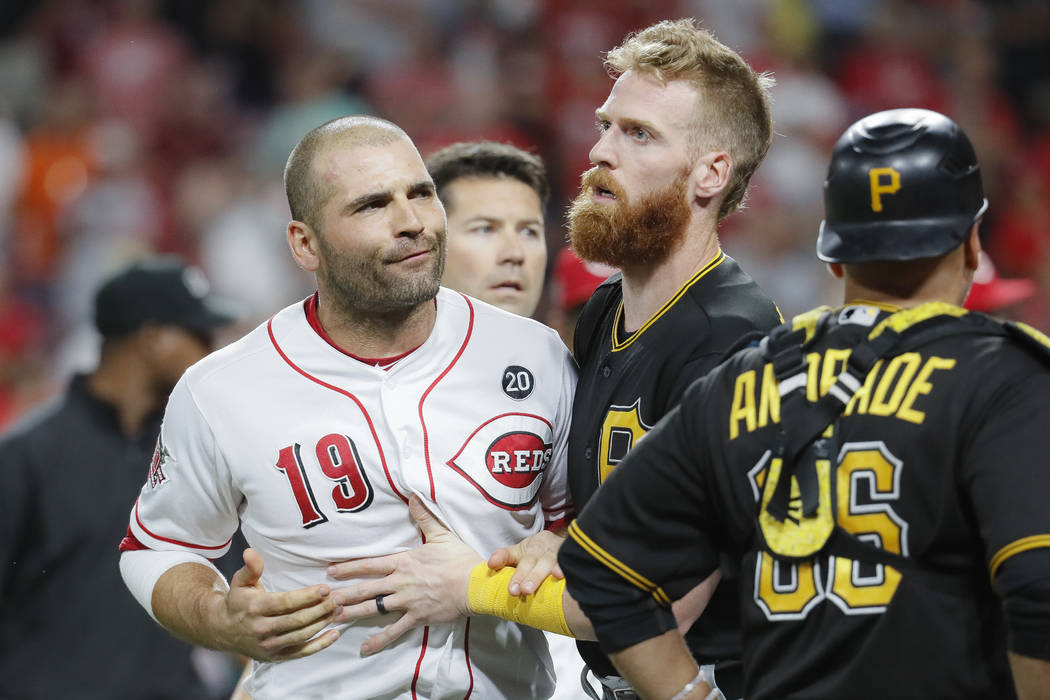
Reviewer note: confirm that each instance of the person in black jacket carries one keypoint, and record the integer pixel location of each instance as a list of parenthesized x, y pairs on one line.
[(70, 472)]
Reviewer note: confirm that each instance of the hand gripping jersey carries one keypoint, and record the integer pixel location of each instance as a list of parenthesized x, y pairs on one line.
[(880, 576), (314, 454), (628, 383)]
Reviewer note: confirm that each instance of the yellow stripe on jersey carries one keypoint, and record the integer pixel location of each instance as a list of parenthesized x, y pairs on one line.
[(1038, 335), (715, 262), (809, 320), (632, 576), (905, 318), (877, 304), (1014, 548)]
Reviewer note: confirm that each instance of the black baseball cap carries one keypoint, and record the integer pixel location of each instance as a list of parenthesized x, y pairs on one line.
[(164, 290)]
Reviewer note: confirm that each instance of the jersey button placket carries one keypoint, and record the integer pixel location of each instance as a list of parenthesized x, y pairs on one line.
[(397, 406)]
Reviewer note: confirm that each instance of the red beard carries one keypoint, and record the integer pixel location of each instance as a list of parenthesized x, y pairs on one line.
[(623, 234)]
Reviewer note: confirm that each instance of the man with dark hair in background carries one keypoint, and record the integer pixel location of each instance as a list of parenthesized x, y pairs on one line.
[(494, 196), (70, 470)]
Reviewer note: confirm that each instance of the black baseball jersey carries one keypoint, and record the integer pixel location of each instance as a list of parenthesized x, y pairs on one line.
[(940, 459), (629, 382)]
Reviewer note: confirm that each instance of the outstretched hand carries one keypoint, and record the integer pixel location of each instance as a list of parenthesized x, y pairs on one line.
[(427, 585), (276, 626), (535, 557)]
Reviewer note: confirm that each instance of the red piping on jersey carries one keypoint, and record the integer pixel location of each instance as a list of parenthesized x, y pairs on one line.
[(559, 523), (422, 422), (466, 654), (419, 661), (368, 418), (385, 363), (130, 543), (423, 647), (172, 541)]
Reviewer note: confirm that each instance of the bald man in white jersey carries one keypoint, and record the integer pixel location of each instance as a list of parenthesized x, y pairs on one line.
[(315, 431)]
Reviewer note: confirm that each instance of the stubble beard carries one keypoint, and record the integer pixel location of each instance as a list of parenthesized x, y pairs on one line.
[(367, 288), (626, 234)]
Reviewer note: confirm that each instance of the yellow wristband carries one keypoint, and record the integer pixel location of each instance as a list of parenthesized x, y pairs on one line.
[(488, 595)]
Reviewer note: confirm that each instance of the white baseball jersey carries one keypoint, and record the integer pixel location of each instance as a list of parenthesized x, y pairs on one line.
[(314, 454)]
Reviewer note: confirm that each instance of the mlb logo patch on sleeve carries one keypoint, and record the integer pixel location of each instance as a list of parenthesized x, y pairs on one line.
[(161, 457)]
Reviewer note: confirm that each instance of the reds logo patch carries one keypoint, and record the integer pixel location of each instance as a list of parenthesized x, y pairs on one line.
[(161, 456), (505, 457)]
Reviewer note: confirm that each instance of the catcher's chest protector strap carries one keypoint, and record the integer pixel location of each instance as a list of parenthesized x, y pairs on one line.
[(796, 517)]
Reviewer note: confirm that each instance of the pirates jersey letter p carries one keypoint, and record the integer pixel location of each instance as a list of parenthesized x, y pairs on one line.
[(883, 181), (621, 430)]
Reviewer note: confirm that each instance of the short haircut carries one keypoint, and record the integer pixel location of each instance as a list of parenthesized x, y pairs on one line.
[(487, 159), (734, 110), (306, 193)]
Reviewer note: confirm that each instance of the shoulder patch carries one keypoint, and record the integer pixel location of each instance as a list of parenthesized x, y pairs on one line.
[(860, 315), (161, 456), (518, 382)]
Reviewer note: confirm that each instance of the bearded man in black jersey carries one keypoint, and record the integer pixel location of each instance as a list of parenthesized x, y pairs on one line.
[(685, 126)]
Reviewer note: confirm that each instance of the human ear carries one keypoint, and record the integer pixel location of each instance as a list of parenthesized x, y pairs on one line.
[(711, 175), (302, 240), (972, 248)]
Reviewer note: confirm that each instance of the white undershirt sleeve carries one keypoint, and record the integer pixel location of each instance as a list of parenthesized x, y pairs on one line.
[(142, 568)]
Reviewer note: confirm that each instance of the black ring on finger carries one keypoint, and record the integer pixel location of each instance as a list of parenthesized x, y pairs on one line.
[(379, 605)]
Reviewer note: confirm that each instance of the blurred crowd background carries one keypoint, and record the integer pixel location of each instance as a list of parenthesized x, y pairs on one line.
[(137, 126)]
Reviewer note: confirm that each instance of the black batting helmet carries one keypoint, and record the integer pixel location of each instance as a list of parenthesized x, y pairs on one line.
[(903, 184)]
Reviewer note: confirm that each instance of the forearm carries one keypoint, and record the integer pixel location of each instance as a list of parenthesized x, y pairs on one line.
[(192, 601), (689, 607), (1031, 677), (549, 608), (189, 601), (580, 626), (660, 667)]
